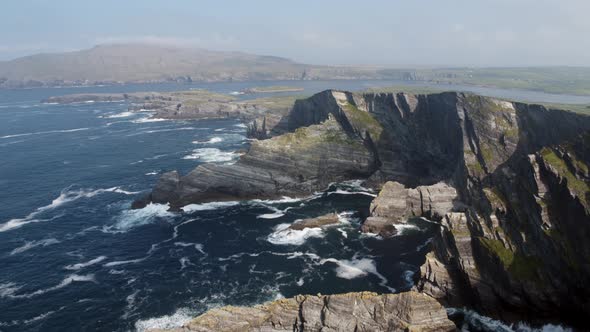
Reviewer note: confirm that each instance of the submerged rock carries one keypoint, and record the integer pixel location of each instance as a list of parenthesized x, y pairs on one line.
[(325, 220), (363, 311)]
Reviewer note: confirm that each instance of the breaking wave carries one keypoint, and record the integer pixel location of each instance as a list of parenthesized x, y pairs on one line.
[(212, 155), (283, 235), (119, 115), (129, 219), (65, 197), (208, 206), (177, 319), (212, 140)]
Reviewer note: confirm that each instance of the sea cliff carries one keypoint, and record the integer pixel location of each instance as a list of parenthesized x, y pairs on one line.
[(508, 182)]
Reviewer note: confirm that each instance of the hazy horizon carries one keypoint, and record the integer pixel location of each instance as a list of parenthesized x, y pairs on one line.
[(429, 33)]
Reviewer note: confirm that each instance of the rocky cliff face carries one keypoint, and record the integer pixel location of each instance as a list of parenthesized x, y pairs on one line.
[(409, 311), (509, 183)]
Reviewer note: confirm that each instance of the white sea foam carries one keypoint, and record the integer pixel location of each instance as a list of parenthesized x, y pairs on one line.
[(356, 268), (80, 266), (37, 318), (277, 214), (177, 319), (151, 173), (45, 132), (403, 229), (197, 246), (119, 115), (33, 244), (208, 206), (160, 131), (237, 93), (9, 290), (283, 235), (66, 196), (149, 120), (131, 218), (284, 199), (409, 278), (130, 261), (212, 140), (241, 125), (344, 192), (212, 155), (475, 320), (184, 262), (344, 234)]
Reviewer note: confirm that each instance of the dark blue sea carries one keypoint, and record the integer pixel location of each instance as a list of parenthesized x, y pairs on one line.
[(75, 257)]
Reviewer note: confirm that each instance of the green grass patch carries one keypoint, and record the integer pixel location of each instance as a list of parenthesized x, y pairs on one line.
[(363, 121), (580, 187), (519, 266)]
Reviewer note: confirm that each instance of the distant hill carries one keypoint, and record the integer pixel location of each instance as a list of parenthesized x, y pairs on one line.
[(145, 63), (150, 63)]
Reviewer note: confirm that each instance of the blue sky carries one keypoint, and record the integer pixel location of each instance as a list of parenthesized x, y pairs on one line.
[(394, 32)]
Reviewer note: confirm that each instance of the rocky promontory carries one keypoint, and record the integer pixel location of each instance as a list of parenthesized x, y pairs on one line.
[(194, 104), (508, 182), (365, 311)]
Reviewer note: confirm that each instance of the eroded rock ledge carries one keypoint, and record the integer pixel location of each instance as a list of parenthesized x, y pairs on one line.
[(410, 311)]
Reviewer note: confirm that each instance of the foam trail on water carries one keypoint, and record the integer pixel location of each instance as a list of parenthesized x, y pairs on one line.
[(9, 290), (197, 246), (80, 266), (66, 196), (131, 261), (45, 132), (33, 244)]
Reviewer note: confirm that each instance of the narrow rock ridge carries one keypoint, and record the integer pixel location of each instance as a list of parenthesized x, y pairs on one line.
[(364, 311)]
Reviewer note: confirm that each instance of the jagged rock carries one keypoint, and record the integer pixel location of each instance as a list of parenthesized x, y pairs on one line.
[(511, 255), (294, 164), (327, 219), (363, 311), (396, 203)]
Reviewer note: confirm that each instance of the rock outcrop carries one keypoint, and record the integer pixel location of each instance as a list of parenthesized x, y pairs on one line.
[(509, 183), (193, 104), (325, 220), (364, 311), (395, 204)]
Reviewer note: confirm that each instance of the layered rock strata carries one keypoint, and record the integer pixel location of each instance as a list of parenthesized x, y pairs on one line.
[(363, 311)]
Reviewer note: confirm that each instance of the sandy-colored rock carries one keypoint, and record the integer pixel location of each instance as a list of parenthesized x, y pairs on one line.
[(410, 311), (325, 220)]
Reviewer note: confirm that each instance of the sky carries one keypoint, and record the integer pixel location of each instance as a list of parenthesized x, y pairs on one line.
[(369, 32)]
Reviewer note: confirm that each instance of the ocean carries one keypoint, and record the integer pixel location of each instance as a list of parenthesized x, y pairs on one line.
[(75, 257)]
